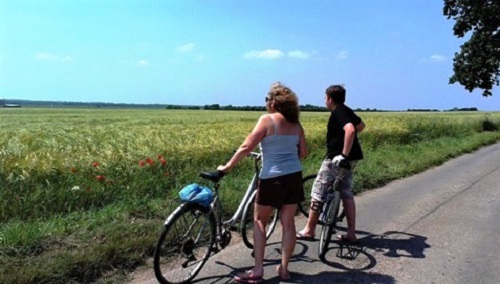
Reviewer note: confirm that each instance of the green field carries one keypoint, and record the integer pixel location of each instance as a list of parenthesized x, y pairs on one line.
[(83, 192)]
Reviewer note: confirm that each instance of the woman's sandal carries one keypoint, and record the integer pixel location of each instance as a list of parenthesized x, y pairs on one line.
[(248, 277), (283, 274)]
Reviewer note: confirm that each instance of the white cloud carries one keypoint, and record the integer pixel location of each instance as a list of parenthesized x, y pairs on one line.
[(437, 58), (44, 56), (264, 54), (342, 55), (143, 62), (185, 48), (298, 54)]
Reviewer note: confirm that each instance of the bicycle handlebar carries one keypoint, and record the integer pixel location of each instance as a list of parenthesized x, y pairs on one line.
[(345, 164), (255, 155)]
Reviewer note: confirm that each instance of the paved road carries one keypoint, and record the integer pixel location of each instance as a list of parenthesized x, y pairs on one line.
[(440, 226)]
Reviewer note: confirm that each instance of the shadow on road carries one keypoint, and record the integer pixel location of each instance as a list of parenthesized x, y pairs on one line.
[(348, 261), (322, 277), (361, 256), (397, 244)]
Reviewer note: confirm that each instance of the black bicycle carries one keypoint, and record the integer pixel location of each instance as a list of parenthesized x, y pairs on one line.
[(331, 211), (331, 216)]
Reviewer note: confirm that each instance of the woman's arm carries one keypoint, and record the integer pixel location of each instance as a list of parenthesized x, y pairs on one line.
[(248, 145), (303, 153)]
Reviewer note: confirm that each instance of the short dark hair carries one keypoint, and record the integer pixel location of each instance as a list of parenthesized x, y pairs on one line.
[(336, 93)]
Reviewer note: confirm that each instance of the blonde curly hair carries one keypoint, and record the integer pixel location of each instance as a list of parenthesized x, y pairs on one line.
[(285, 101)]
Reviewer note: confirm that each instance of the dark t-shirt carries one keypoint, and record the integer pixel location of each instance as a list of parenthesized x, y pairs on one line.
[(335, 134)]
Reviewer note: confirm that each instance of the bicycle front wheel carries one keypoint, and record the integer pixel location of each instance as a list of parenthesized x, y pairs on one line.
[(185, 243), (307, 184), (247, 222), (330, 223)]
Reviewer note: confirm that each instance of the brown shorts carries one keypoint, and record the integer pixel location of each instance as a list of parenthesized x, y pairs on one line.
[(280, 190)]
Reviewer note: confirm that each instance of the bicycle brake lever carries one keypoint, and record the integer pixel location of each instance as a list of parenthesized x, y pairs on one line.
[(345, 164)]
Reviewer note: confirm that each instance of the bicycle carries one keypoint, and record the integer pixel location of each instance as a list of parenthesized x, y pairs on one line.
[(303, 207), (331, 217), (192, 232)]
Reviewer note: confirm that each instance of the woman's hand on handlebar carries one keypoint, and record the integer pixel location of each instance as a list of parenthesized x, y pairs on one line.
[(224, 168)]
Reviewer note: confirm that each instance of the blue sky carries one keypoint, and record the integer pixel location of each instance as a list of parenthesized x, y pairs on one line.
[(390, 54)]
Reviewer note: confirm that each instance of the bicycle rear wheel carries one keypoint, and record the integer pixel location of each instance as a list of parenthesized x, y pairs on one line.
[(247, 222), (330, 223), (185, 243)]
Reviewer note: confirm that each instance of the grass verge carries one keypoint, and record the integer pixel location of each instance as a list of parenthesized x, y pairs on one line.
[(101, 246)]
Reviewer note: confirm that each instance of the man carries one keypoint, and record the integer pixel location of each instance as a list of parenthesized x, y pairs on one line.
[(342, 144)]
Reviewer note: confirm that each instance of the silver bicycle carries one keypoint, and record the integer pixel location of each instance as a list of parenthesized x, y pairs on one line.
[(193, 232)]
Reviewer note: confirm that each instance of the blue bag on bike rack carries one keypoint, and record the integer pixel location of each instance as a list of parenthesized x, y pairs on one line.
[(198, 194)]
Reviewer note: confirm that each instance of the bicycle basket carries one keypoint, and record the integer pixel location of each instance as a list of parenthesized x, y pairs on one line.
[(198, 194)]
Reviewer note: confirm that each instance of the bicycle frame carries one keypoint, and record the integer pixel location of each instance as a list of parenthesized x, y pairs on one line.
[(216, 206), (252, 186), (334, 187)]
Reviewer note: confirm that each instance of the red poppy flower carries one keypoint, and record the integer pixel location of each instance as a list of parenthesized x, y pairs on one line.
[(163, 162), (160, 156), (150, 161), (141, 163), (95, 164), (100, 177)]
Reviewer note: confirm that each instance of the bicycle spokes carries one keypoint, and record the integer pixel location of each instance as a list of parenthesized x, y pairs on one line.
[(184, 245)]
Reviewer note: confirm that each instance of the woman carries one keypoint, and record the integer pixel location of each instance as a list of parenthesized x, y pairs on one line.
[(283, 144)]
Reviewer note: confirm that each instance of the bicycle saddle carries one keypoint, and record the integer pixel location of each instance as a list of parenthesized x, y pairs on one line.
[(214, 176)]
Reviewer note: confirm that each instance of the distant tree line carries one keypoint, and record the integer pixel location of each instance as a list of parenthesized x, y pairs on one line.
[(453, 109), (258, 108), (464, 109), (307, 107)]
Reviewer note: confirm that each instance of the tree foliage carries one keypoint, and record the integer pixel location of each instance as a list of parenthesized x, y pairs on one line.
[(477, 65)]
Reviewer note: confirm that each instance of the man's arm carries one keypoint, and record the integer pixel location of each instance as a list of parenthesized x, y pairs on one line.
[(350, 133), (360, 127)]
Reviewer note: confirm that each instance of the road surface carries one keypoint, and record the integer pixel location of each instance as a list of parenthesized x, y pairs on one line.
[(440, 226)]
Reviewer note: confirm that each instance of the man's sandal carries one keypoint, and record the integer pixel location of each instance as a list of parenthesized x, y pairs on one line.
[(345, 239), (301, 236)]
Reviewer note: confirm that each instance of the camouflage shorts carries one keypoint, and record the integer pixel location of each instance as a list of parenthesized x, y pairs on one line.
[(326, 176)]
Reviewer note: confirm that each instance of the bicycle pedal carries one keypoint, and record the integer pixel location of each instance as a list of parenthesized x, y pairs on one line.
[(215, 249)]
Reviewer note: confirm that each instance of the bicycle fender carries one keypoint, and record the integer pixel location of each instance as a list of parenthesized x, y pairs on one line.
[(172, 215), (182, 206)]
